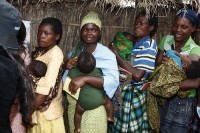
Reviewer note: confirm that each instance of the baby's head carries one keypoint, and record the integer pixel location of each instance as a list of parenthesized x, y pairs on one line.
[(123, 41), (86, 62), (191, 65), (37, 68), (129, 36)]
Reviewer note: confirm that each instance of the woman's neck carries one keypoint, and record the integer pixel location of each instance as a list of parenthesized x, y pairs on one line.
[(90, 47), (179, 45), (48, 48), (137, 39)]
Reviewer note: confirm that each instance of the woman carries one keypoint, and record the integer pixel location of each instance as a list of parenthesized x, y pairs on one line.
[(95, 120), (133, 116), (181, 41), (13, 76), (48, 99), (15, 117)]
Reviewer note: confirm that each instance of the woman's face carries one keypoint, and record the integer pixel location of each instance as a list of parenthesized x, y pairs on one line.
[(182, 29), (90, 33), (46, 36), (141, 27)]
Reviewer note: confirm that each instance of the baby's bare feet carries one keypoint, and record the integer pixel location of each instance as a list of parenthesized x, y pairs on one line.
[(77, 130)]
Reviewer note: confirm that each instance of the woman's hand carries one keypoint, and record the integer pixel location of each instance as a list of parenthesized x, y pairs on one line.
[(76, 83), (124, 75), (113, 48), (164, 59), (71, 62)]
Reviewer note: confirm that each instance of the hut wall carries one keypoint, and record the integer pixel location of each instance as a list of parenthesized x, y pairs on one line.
[(113, 21)]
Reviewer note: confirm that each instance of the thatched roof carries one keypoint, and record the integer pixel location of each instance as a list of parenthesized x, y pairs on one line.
[(147, 4)]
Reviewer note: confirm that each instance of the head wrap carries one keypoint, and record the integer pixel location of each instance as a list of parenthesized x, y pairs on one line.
[(189, 14), (91, 17)]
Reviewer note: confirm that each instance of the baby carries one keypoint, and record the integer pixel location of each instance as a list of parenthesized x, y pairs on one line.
[(123, 41), (36, 69)]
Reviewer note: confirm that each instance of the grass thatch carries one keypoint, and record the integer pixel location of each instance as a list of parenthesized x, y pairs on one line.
[(115, 18), (148, 4)]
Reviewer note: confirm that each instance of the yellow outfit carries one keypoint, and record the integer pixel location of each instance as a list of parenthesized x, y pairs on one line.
[(51, 120), (93, 121)]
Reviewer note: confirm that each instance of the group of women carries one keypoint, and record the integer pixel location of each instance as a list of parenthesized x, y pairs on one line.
[(46, 112)]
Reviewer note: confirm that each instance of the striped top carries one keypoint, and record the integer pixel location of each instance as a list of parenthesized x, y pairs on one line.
[(144, 54)]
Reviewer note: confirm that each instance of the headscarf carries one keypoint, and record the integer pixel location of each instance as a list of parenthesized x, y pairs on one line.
[(91, 17), (189, 14)]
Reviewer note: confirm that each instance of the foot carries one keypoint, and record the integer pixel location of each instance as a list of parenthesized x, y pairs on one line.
[(110, 119), (77, 130)]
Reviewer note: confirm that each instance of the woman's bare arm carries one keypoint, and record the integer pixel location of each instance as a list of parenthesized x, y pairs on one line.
[(189, 84), (137, 74), (159, 57)]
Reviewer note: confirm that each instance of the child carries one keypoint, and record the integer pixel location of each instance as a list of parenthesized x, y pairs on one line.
[(86, 64), (37, 69), (165, 82)]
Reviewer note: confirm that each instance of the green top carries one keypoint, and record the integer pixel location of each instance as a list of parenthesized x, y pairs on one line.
[(190, 47), (89, 97)]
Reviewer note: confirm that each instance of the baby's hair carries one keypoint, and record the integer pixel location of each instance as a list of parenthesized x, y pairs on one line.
[(129, 34), (194, 70), (86, 62), (38, 68)]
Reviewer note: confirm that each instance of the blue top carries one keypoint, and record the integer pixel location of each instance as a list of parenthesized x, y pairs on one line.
[(106, 61), (144, 53)]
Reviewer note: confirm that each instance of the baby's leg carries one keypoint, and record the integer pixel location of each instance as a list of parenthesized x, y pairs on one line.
[(77, 117), (109, 109)]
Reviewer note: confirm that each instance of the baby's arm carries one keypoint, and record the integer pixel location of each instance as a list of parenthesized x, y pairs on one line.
[(70, 62)]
